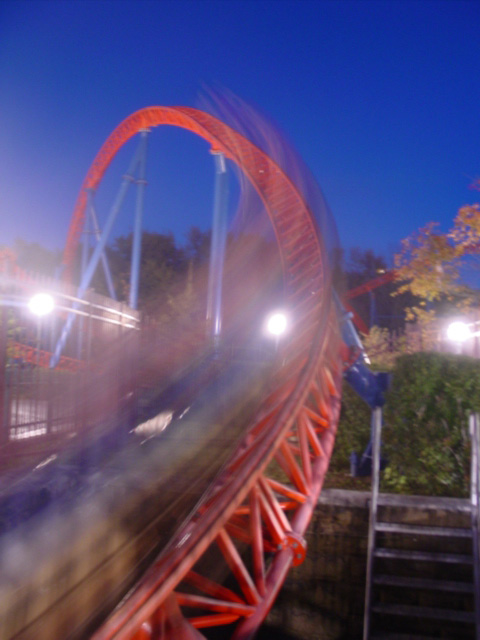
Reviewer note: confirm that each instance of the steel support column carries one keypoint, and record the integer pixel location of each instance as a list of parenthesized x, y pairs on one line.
[(95, 257), (96, 231), (86, 236), (137, 233), (217, 250)]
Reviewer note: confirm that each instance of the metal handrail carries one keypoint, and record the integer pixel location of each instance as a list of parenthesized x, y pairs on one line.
[(474, 424), (474, 427), (127, 319), (376, 435)]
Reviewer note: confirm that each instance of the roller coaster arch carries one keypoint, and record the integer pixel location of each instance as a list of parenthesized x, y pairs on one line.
[(262, 172), (295, 425)]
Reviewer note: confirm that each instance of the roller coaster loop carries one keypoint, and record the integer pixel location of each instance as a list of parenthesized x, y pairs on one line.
[(254, 521)]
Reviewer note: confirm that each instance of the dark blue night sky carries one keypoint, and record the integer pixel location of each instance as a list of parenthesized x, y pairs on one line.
[(381, 99)]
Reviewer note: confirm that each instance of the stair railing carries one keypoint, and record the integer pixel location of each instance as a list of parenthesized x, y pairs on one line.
[(474, 424), (376, 437)]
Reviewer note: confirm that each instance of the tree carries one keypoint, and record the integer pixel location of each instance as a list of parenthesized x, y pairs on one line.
[(428, 267), (466, 235), (363, 265), (32, 257), (162, 264), (197, 248), (378, 306), (466, 228)]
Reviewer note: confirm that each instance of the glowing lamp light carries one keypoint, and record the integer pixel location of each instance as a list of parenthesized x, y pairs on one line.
[(41, 304), (458, 332), (277, 324)]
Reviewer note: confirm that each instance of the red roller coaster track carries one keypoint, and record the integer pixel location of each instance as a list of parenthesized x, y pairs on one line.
[(256, 522), (366, 288)]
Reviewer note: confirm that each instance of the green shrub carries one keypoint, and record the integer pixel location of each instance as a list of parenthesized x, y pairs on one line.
[(353, 432), (425, 434)]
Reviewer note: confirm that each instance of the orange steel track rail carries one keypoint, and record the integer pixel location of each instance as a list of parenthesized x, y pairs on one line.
[(255, 523), (365, 288), (371, 284)]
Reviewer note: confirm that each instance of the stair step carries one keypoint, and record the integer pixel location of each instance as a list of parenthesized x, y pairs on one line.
[(424, 556), (412, 529), (410, 611), (401, 636), (416, 502), (422, 583)]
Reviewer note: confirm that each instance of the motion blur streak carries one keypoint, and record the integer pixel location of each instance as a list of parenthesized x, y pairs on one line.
[(184, 462)]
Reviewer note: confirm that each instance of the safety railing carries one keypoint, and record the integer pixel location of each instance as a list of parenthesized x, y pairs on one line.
[(38, 403), (474, 424), (474, 427), (376, 441)]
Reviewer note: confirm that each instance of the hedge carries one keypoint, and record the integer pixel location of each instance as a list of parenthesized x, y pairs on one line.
[(425, 433)]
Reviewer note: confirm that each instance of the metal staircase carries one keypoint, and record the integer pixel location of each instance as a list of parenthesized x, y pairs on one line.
[(423, 565)]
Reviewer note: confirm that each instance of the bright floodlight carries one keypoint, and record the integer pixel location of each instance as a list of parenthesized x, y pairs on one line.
[(458, 332), (41, 304), (277, 324)]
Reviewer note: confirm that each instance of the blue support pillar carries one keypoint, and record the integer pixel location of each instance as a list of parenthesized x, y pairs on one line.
[(137, 233), (96, 231), (370, 386), (95, 257), (86, 239), (217, 250), (85, 252)]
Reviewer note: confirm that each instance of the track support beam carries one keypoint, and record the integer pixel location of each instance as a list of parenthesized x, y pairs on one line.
[(217, 249)]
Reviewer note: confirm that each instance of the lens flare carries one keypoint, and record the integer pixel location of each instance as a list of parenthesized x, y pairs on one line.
[(277, 323), (41, 304), (458, 332)]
